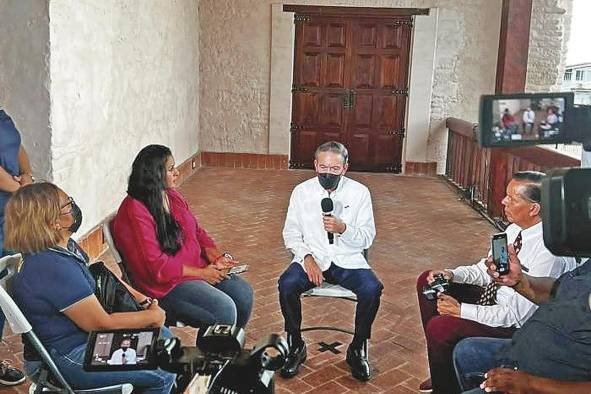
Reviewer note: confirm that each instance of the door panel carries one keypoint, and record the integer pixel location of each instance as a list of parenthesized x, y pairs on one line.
[(350, 85)]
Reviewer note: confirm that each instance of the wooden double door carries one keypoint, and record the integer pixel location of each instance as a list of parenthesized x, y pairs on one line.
[(350, 84)]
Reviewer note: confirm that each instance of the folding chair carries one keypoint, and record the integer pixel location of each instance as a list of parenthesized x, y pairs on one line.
[(121, 264), (48, 377), (332, 291)]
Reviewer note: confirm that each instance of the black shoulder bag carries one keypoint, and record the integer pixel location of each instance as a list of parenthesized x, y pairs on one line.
[(111, 293)]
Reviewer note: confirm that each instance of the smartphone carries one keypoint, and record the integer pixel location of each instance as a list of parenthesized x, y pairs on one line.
[(500, 253), (238, 269)]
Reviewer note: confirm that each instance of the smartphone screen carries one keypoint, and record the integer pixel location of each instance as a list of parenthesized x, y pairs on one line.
[(500, 254)]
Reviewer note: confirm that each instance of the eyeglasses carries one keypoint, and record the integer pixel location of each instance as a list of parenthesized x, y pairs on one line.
[(69, 202)]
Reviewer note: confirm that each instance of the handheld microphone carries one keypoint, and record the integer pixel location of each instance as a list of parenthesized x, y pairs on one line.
[(327, 208)]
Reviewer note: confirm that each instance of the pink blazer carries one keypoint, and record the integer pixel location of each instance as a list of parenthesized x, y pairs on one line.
[(154, 272)]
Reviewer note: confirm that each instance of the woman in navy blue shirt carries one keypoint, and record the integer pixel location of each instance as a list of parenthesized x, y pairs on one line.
[(15, 171), (55, 290)]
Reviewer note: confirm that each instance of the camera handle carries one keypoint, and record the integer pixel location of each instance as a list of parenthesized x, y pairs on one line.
[(580, 125), (262, 359)]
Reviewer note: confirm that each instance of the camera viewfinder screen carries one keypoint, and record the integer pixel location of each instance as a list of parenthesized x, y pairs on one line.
[(533, 120), (524, 119), (122, 349)]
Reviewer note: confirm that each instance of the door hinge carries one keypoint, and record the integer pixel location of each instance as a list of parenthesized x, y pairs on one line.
[(398, 22), (301, 18), (400, 92), (299, 89), (397, 132)]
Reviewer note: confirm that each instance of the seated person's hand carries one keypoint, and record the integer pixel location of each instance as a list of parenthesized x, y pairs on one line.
[(212, 275), (506, 381), (447, 305), (224, 262), (515, 273), (158, 313), (446, 274), (313, 271), (332, 224)]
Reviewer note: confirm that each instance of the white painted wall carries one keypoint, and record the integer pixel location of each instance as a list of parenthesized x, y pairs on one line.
[(24, 76), (124, 74)]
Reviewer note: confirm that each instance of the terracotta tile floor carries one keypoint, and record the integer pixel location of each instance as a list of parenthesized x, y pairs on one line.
[(420, 225)]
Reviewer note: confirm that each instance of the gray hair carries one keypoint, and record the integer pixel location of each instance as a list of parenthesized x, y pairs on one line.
[(334, 147), (533, 184)]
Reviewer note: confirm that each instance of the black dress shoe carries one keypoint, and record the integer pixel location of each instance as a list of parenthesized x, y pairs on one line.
[(297, 355), (359, 363)]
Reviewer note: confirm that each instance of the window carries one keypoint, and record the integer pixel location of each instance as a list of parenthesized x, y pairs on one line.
[(580, 75), (568, 74)]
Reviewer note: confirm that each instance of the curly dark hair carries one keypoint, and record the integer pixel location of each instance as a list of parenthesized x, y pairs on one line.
[(147, 183)]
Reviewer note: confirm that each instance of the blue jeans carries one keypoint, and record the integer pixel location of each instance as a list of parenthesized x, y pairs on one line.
[(199, 304), (154, 381), (363, 282), (473, 357)]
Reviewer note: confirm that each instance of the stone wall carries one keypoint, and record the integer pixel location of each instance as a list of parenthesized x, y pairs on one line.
[(123, 75), (24, 76), (550, 29)]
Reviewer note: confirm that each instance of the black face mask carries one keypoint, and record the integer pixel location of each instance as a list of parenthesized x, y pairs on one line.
[(328, 181), (77, 216), (124, 348)]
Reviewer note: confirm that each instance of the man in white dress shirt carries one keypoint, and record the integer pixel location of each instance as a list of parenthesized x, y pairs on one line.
[(315, 259), (124, 355), (529, 117), (474, 306)]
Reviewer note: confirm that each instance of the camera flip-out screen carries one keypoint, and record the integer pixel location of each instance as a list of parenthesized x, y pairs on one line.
[(121, 350), (524, 119)]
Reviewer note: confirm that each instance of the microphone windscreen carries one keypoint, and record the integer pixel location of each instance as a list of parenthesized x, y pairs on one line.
[(327, 205)]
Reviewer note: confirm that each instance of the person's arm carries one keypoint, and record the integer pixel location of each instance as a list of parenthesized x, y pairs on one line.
[(26, 174), (535, 289), (292, 233), (519, 382), (7, 182), (361, 233), (89, 315), (474, 274)]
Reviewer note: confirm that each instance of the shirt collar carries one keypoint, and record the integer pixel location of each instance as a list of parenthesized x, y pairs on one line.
[(532, 232)]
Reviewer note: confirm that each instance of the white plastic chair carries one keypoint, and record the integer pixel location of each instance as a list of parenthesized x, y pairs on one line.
[(332, 291), (20, 325)]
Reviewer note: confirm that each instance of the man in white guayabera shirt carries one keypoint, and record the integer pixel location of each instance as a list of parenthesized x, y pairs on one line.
[(329, 248), (529, 117), (474, 305)]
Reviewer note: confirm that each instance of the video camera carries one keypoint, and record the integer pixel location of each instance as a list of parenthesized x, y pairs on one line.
[(433, 289), (218, 364), (514, 120)]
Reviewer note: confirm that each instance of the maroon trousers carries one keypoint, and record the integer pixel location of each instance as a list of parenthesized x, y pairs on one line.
[(444, 332)]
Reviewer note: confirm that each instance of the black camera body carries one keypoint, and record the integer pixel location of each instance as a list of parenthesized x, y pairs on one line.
[(439, 285), (522, 119), (218, 361), (219, 356)]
